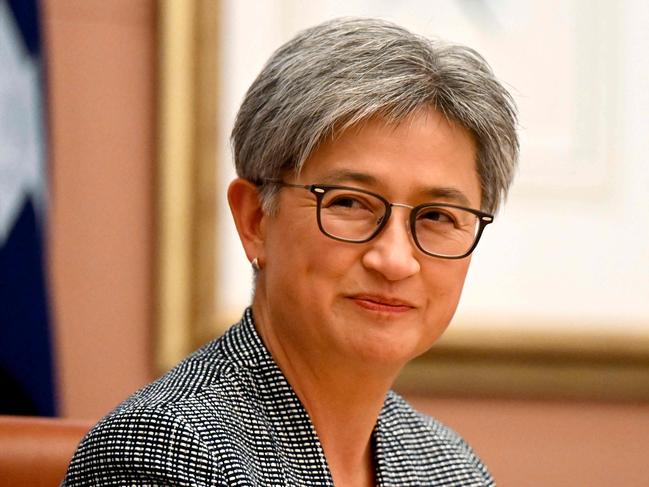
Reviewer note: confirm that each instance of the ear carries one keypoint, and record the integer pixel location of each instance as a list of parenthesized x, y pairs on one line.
[(245, 206)]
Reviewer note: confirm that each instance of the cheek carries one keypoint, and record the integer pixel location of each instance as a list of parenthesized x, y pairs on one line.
[(461, 272), (445, 283), (444, 288), (326, 264), (302, 261)]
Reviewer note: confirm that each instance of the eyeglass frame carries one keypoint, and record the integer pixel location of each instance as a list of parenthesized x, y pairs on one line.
[(319, 191)]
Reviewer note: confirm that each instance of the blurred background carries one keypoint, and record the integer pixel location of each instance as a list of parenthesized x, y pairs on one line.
[(118, 257)]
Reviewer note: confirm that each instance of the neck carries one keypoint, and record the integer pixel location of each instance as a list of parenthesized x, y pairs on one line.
[(343, 399), (344, 416)]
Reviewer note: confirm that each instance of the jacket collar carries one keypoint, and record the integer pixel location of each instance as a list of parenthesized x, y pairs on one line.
[(291, 427), (290, 422)]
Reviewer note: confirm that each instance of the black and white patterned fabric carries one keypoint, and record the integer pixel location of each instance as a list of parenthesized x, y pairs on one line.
[(226, 416)]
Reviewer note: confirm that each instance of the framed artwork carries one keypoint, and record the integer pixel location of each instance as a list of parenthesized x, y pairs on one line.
[(186, 178), (556, 303)]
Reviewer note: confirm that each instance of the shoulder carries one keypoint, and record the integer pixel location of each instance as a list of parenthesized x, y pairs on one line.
[(140, 445), (167, 430), (222, 371), (433, 446), (206, 370), (420, 426)]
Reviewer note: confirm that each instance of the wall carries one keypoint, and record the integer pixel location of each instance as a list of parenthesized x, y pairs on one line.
[(549, 443), (101, 73), (102, 145), (566, 251)]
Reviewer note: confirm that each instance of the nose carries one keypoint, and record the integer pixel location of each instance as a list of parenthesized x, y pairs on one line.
[(392, 253)]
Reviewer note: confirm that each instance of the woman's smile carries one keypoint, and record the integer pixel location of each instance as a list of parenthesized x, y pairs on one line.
[(382, 304)]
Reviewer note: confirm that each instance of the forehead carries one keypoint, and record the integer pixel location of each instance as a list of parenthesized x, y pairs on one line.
[(422, 157)]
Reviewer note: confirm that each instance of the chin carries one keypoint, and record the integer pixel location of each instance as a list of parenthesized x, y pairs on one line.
[(393, 350)]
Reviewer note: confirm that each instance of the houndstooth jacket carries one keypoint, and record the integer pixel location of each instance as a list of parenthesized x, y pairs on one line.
[(226, 416)]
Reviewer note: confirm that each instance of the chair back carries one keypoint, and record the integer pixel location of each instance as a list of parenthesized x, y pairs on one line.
[(35, 451)]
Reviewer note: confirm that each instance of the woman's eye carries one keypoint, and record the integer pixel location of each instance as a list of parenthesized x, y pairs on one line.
[(347, 202), (436, 216)]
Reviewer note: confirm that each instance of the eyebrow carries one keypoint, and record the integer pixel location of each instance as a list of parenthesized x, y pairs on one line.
[(344, 176), (435, 193), (448, 193)]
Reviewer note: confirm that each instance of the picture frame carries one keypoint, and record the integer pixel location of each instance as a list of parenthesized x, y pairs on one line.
[(555, 358)]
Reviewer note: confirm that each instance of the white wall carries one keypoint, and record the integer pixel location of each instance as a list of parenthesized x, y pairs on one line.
[(571, 245)]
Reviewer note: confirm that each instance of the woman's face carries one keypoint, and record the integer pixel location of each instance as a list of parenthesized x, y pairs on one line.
[(383, 301)]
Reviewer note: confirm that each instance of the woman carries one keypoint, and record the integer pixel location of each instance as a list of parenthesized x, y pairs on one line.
[(370, 161)]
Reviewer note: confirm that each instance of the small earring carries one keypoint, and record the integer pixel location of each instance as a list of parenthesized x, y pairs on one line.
[(255, 264)]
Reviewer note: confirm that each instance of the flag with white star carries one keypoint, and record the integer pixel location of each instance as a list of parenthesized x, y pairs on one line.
[(26, 358)]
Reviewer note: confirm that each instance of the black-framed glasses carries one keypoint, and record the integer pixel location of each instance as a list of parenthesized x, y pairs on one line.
[(355, 215)]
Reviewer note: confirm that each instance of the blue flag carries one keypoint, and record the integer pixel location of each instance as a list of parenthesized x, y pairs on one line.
[(26, 359)]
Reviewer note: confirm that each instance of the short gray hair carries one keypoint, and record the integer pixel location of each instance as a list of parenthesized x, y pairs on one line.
[(346, 71)]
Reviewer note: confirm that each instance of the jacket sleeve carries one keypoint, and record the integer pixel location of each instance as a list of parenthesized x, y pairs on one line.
[(142, 447)]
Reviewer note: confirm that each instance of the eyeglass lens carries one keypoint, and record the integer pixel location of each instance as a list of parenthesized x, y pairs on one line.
[(355, 216)]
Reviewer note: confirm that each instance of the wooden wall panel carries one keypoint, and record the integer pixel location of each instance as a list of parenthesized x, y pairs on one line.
[(532, 443), (101, 72)]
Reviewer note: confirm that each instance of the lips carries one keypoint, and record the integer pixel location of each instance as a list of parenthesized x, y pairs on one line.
[(382, 303)]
